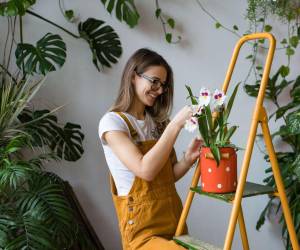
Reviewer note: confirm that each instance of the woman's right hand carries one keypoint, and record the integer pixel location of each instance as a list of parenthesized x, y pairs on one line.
[(184, 114)]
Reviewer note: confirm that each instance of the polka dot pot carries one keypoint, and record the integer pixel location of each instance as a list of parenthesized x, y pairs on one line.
[(222, 178)]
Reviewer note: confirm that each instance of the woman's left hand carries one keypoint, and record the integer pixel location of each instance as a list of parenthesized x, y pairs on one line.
[(193, 151)]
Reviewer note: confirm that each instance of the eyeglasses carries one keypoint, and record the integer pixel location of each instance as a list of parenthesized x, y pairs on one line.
[(155, 83)]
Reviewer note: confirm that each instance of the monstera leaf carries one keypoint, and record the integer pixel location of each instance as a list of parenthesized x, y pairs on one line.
[(49, 53), (125, 10), (65, 142), (103, 40), (15, 7)]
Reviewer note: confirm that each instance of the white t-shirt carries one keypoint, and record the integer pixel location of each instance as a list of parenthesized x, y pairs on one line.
[(146, 130)]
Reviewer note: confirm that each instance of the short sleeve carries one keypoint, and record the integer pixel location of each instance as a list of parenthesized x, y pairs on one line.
[(111, 122)]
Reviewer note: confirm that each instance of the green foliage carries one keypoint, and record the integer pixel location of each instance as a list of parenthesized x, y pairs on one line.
[(65, 142), (34, 212), (125, 10), (103, 41), (286, 10), (15, 7), (42, 58), (288, 133)]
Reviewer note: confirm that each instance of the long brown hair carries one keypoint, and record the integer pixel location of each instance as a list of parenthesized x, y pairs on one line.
[(139, 62)]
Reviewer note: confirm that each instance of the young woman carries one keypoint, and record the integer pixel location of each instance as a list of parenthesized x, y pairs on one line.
[(138, 138)]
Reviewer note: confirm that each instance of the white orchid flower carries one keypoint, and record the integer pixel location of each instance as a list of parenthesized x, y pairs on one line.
[(197, 109), (204, 97), (218, 98), (191, 124)]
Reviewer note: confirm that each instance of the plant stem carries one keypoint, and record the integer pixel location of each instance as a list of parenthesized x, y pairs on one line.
[(7, 72), (12, 39), (21, 40), (163, 22), (54, 24)]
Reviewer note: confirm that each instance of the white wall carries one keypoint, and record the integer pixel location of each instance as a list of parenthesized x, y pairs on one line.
[(200, 60)]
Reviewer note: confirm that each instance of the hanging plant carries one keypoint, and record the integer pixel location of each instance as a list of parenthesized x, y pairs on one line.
[(103, 41), (125, 10), (48, 55), (15, 7)]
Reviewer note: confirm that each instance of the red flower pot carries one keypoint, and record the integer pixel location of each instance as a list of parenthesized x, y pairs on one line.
[(222, 178)]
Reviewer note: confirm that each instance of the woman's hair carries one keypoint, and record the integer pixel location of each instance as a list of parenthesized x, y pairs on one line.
[(139, 62)]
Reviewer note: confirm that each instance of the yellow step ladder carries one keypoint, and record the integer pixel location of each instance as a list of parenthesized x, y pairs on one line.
[(244, 189)]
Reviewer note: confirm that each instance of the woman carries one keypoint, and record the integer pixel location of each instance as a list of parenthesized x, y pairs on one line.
[(138, 139)]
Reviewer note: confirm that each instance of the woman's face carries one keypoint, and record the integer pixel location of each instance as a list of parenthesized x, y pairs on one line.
[(146, 85)]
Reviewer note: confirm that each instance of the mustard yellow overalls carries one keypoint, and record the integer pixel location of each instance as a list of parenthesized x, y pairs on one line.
[(149, 214)]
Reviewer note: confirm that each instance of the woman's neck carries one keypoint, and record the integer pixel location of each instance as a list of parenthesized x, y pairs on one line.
[(137, 110)]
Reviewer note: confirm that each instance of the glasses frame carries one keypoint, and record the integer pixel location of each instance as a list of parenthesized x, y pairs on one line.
[(155, 83)]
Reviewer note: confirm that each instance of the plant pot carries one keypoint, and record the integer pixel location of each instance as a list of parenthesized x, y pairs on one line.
[(222, 178)]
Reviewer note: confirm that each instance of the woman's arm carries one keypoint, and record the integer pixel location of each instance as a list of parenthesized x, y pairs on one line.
[(190, 156), (147, 166)]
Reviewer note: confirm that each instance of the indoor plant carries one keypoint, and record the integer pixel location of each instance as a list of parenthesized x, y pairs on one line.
[(218, 159)]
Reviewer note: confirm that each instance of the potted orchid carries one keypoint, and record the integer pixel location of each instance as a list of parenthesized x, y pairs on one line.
[(218, 158)]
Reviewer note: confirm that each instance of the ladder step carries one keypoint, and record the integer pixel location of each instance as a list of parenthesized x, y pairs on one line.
[(251, 189), (193, 244)]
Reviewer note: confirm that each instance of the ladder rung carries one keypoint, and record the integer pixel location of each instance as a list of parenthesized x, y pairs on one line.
[(251, 189), (193, 244)]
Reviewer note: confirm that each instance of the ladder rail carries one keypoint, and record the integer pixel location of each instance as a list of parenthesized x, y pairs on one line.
[(259, 116)]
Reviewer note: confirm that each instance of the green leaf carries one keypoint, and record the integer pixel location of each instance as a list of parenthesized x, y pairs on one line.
[(259, 67), (295, 94), (235, 27), (49, 54), (171, 22), (65, 142), (252, 90), (296, 167), (191, 96), (15, 7), (36, 236), (216, 153), (203, 129), (14, 173), (125, 10), (294, 40), (282, 110), (103, 41), (229, 133), (262, 216), (68, 142), (157, 12), (230, 102), (284, 70), (261, 19), (209, 120), (289, 51), (69, 14), (218, 25), (284, 41), (249, 57), (168, 37), (268, 28), (293, 122)]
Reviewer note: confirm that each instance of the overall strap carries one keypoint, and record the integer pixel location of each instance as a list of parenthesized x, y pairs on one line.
[(132, 131)]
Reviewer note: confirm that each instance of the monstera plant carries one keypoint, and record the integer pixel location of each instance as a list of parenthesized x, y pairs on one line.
[(49, 53), (34, 210)]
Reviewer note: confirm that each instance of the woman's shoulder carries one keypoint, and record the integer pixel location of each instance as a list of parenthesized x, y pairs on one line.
[(111, 121)]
